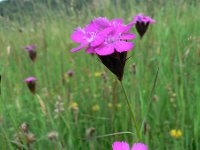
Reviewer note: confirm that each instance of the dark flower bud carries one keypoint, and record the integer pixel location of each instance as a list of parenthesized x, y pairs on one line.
[(31, 50), (141, 23), (115, 63), (31, 83), (70, 73)]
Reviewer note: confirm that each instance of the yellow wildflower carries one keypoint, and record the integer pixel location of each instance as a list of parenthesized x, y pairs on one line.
[(119, 105), (110, 105), (98, 74), (73, 105), (95, 108), (176, 133)]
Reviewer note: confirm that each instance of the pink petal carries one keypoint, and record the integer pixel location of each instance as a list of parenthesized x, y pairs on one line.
[(127, 28), (30, 79), (127, 36), (106, 31), (120, 146), (79, 47), (122, 29), (92, 27), (132, 23), (90, 50), (101, 36), (139, 146), (142, 18), (98, 40), (105, 50), (117, 21), (119, 29), (122, 46), (150, 20), (77, 35), (102, 22)]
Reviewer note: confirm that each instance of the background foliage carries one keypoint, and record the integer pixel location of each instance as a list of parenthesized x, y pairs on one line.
[(172, 44)]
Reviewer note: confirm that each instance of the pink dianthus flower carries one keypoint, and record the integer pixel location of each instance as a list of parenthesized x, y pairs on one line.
[(124, 146)]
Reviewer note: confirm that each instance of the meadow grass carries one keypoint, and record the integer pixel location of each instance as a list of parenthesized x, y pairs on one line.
[(172, 45)]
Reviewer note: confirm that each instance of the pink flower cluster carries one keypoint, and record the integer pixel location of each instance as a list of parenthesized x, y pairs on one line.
[(104, 37)]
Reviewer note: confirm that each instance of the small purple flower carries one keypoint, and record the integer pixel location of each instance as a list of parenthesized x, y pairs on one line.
[(31, 83), (70, 73), (142, 22), (31, 50), (124, 146)]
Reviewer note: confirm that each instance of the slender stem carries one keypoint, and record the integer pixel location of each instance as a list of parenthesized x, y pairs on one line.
[(112, 134), (132, 114), (150, 98)]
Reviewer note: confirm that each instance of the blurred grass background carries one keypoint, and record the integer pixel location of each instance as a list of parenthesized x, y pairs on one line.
[(87, 100)]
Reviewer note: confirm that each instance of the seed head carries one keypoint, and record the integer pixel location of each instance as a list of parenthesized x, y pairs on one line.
[(53, 135)]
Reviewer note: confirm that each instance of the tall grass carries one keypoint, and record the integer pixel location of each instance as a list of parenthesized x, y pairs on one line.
[(172, 44)]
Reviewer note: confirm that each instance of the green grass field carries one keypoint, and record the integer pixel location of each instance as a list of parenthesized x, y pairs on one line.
[(88, 111)]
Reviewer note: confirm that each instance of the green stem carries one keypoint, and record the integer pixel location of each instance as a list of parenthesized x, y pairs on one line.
[(150, 99), (132, 114)]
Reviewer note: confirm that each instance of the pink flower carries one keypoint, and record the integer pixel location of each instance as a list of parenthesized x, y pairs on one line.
[(31, 51), (31, 83), (124, 146), (103, 37), (70, 73), (139, 146), (113, 39), (30, 79), (108, 39), (30, 47), (120, 146), (142, 22)]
